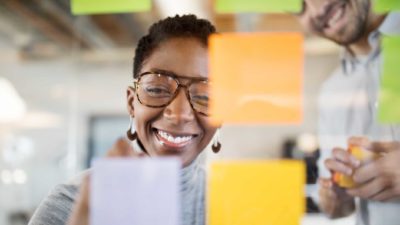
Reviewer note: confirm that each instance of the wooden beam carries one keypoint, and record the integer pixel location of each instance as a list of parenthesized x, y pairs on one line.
[(60, 18), (113, 28), (38, 22)]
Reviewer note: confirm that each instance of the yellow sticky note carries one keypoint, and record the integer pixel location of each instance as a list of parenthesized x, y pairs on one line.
[(256, 78), (80, 7), (256, 192)]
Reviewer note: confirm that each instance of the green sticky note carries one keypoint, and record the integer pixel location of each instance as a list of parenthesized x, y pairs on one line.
[(389, 96), (80, 7), (258, 6), (383, 6)]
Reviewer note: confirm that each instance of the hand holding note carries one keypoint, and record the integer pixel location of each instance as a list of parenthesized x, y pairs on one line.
[(371, 171), (379, 180), (80, 213), (334, 199), (357, 150)]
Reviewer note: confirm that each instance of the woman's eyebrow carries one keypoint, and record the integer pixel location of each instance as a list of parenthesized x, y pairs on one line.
[(170, 73), (166, 72)]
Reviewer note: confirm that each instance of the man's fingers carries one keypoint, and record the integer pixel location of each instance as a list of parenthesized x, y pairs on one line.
[(370, 189), (384, 146), (366, 172), (337, 166), (358, 141), (325, 190), (384, 195), (325, 182), (345, 157)]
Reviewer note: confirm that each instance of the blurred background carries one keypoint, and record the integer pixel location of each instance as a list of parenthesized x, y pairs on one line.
[(62, 93)]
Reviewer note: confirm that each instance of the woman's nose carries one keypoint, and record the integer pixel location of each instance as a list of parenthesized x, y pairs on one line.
[(179, 110)]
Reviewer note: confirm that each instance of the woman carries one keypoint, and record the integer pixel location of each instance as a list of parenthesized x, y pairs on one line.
[(168, 104)]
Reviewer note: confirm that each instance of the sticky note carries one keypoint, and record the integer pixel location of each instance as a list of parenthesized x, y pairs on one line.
[(384, 6), (256, 78), (135, 191), (256, 192), (389, 96), (257, 6), (80, 7)]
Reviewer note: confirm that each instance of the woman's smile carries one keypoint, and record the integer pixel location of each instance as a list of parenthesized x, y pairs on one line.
[(174, 140)]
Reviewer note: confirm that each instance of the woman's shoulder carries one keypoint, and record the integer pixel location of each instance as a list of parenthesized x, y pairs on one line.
[(57, 206)]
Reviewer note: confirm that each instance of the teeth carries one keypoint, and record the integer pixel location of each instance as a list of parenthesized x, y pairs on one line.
[(176, 140), (335, 17), (171, 139)]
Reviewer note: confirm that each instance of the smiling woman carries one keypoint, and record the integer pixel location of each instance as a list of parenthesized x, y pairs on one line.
[(168, 104), (170, 95), (170, 110)]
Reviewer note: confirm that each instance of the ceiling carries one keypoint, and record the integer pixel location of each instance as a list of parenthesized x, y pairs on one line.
[(46, 28)]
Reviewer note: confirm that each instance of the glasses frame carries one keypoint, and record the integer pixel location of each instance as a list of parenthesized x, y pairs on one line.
[(175, 77)]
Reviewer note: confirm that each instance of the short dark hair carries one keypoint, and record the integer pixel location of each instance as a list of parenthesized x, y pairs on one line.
[(171, 27)]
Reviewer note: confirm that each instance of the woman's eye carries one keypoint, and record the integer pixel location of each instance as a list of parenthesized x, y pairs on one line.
[(200, 99), (158, 91)]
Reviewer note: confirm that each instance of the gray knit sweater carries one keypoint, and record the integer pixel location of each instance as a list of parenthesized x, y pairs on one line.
[(57, 206)]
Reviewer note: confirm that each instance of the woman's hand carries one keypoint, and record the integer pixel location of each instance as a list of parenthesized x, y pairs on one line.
[(80, 212)]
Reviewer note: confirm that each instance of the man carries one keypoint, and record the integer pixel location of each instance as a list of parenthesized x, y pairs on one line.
[(348, 108)]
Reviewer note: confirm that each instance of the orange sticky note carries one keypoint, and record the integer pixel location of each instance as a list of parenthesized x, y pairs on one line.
[(256, 192), (256, 78)]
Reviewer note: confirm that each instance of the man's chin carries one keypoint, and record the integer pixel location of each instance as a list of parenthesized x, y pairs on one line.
[(345, 40)]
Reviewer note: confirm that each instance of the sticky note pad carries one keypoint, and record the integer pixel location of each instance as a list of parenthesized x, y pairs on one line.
[(384, 6), (389, 96), (256, 78), (257, 6), (256, 192), (80, 7), (135, 191)]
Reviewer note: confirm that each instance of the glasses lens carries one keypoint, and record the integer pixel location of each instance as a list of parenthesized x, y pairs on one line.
[(156, 89), (199, 96)]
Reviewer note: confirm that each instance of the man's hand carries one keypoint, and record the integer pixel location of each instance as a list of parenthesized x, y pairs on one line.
[(379, 180), (334, 201)]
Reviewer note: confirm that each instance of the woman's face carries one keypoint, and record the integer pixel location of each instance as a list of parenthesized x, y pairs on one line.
[(176, 129)]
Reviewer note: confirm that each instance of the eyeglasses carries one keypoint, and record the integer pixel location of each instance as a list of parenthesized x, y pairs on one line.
[(159, 89)]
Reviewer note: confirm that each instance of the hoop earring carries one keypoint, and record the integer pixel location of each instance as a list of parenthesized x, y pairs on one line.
[(216, 146), (131, 136)]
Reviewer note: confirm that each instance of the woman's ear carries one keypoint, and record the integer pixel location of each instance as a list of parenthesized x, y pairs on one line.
[(130, 97)]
